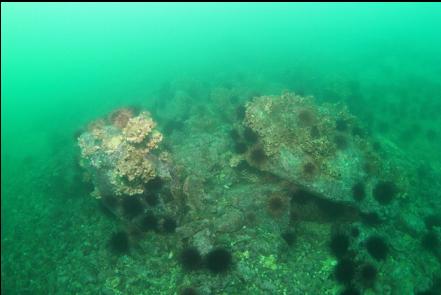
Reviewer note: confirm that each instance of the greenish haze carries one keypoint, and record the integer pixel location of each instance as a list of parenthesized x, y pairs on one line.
[(64, 65)]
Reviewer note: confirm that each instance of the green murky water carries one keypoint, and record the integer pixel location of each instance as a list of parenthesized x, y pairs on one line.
[(196, 68)]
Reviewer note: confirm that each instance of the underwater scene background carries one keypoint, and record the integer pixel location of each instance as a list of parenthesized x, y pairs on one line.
[(220, 148)]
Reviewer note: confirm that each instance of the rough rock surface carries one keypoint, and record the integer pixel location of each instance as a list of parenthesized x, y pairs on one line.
[(320, 148)]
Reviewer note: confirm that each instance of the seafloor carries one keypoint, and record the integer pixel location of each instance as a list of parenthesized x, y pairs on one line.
[(55, 235)]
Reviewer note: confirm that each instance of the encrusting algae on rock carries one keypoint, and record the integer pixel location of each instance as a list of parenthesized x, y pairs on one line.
[(314, 146), (119, 153)]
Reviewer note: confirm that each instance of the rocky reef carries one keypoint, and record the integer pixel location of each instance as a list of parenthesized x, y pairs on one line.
[(259, 185)]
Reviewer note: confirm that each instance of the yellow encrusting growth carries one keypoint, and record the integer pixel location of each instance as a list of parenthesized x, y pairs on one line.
[(118, 152)]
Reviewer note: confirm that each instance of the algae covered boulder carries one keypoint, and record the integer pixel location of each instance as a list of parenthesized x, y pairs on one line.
[(320, 148), (120, 154)]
